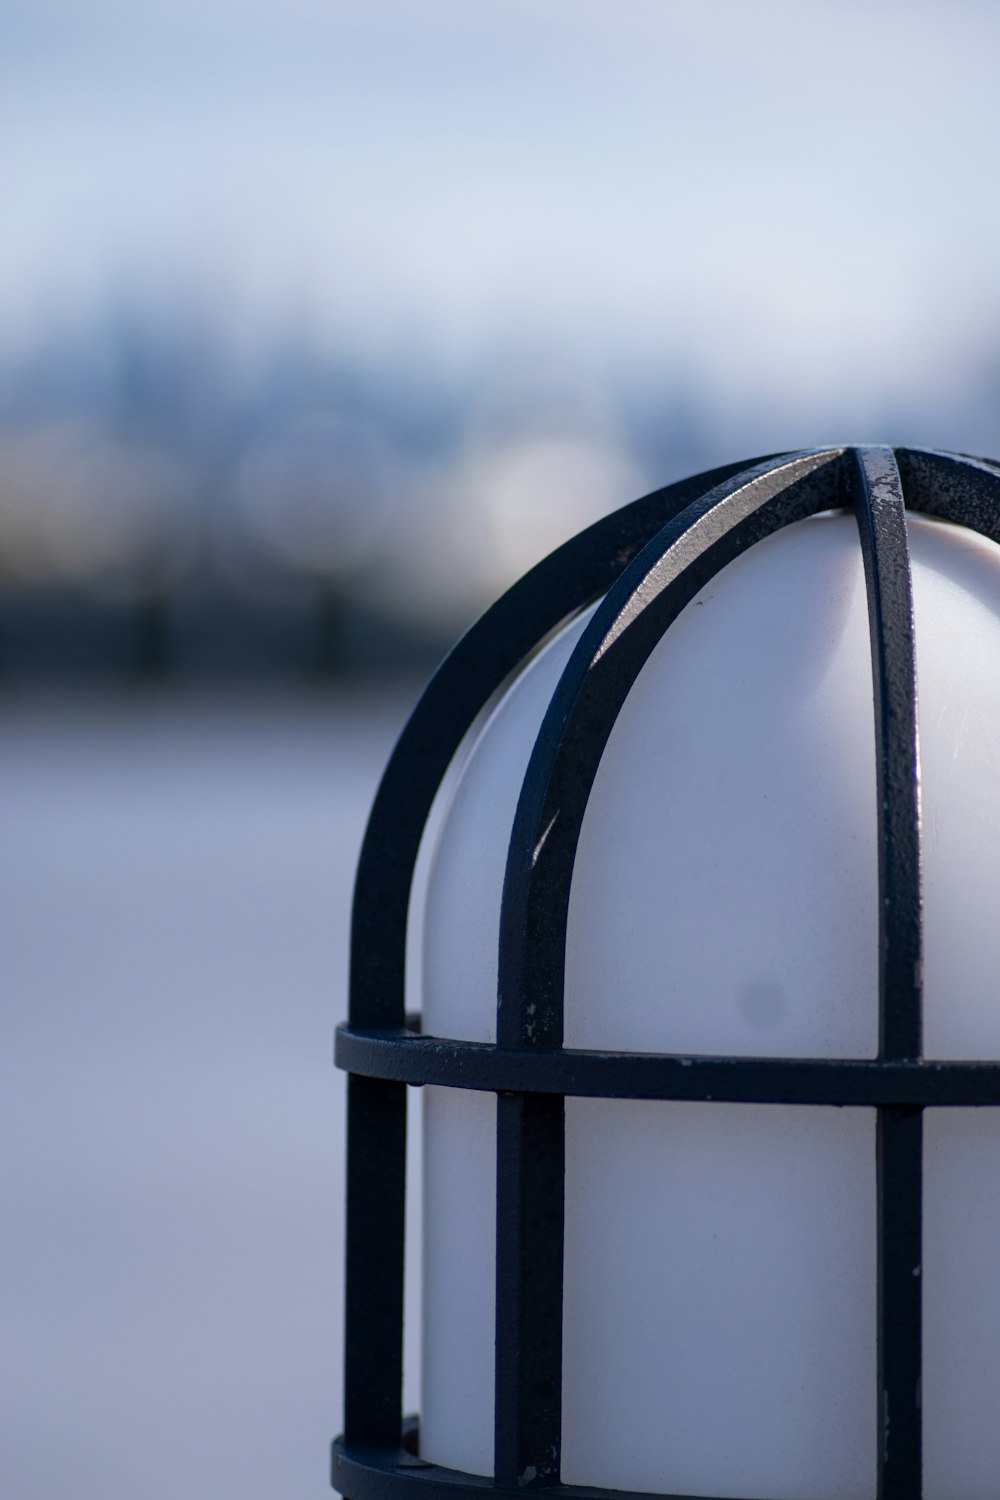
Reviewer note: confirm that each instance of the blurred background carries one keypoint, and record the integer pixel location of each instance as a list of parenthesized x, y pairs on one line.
[(320, 321)]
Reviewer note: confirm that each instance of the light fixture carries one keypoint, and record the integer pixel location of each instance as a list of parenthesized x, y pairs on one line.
[(710, 962)]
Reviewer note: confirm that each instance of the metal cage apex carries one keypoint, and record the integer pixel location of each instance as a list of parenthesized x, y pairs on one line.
[(643, 564)]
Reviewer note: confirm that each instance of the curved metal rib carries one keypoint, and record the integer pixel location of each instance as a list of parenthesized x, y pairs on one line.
[(376, 1108), (567, 580), (951, 487), (530, 1127), (882, 529), (605, 664)]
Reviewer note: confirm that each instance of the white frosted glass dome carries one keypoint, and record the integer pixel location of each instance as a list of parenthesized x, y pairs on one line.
[(725, 888), (725, 901)]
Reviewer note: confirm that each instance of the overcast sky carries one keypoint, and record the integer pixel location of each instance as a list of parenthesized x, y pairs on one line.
[(773, 192)]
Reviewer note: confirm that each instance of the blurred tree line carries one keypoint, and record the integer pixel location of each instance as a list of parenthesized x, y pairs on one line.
[(174, 505), (170, 506)]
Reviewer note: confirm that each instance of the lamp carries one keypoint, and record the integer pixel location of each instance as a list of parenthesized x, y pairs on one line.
[(709, 971)]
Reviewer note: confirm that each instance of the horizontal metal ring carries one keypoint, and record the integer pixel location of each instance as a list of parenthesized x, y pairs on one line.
[(405, 1056), (395, 1474)]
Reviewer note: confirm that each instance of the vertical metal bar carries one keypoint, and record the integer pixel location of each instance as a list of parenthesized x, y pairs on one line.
[(530, 1228), (882, 528), (531, 1170), (900, 1184), (373, 1316)]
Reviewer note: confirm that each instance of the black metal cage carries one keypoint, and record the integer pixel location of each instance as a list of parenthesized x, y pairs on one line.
[(644, 564)]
